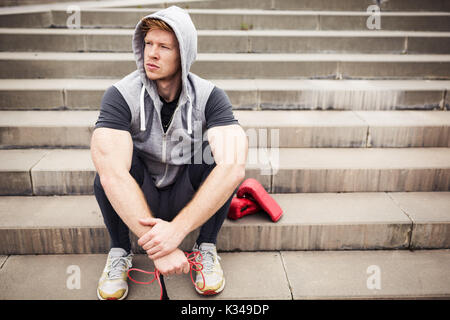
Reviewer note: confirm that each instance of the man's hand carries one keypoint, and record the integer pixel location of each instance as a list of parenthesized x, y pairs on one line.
[(172, 263), (162, 239)]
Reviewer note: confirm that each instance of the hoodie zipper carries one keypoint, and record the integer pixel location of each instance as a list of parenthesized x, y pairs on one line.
[(164, 147), (168, 129)]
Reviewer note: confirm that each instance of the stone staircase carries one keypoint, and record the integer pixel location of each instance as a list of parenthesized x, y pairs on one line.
[(357, 151)]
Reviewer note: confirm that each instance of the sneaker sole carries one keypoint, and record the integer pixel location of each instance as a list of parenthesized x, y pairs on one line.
[(211, 292), (121, 298)]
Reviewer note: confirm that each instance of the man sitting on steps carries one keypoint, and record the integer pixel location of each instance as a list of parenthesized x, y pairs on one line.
[(150, 152)]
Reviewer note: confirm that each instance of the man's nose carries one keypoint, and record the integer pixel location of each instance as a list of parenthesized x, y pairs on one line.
[(153, 52)]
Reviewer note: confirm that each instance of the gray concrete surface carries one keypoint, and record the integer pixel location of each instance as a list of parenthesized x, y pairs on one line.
[(289, 274), (315, 221), (234, 19), (255, 94), (355, 5), (285, 170), (393, 129), (231, 66), (15, 166), (232, 41), (428, 211), (358, 169), (368, 274), (48, 278), (64, 172), (293, 129)]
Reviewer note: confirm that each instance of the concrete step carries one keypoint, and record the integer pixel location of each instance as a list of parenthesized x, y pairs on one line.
[(288, 129), (360, 169), (279, 170), (331, 129), (257, 94), (293, 275), (231, 66), (233, 41), (239, 19), (46, 128), (23, 6), (347, 5), (344, 275), (54, 277), (71, 171), (235, 19), (10, 3), (311, 221)]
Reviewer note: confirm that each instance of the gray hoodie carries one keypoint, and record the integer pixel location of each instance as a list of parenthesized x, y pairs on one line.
[(165, 153)]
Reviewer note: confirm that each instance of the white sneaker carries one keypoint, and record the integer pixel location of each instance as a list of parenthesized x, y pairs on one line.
[(212, 271), (113, 282)]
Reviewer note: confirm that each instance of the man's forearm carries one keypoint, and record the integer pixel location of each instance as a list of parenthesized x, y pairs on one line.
[(211, 196), (127, 199)]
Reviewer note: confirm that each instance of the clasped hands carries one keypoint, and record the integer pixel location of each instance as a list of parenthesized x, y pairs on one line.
[(161, 244)]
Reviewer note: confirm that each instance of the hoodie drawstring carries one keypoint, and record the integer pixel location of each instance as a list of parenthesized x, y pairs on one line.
[(142, 111), (189, 115), (142, 108)]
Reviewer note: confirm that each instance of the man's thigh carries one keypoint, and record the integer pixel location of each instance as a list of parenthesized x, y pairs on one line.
[(173, 200), (143, 178)]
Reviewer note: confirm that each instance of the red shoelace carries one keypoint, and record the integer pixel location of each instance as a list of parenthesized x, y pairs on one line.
[(194, 265)]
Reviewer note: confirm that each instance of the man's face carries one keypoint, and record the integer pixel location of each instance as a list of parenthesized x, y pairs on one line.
[(161, 55)]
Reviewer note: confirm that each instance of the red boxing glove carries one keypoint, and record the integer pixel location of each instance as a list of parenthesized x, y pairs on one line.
[(242, 207), (252, 189)]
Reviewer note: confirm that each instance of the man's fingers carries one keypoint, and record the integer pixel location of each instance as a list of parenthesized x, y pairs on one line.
[(164, 272), (186, 267), (182, 268), (145, 238), (169, 271), (149, 221), (157, 252), (153, 250), (171, 262), (149, 234), (157, 255), (153, 243)]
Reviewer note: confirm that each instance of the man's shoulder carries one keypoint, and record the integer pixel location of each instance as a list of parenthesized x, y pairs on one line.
[(203, 87), (113, 98), (111, 93), (131, 84), (218, 96), (114, 111)]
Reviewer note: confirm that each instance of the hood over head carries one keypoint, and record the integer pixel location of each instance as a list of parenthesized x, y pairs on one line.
[(184, 29)]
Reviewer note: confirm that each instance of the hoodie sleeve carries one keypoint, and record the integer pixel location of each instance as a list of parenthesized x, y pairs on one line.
[(114, 111), (218, 110)]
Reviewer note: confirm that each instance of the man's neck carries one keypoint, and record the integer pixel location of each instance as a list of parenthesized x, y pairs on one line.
[(169, 89)]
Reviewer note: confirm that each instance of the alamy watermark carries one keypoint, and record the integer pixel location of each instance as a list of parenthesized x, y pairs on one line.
[(374, 280), (374, 20), (226, 146), (74, 279), (74, 20)]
